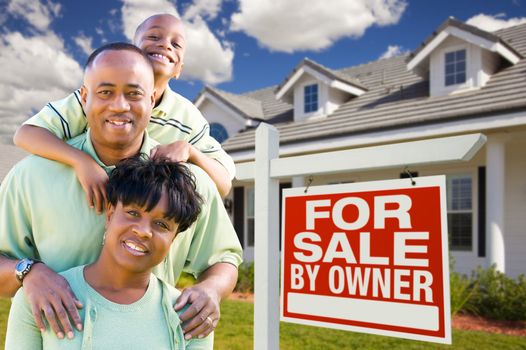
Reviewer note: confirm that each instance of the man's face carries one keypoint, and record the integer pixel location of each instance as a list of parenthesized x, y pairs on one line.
[(118, 97), (162, 38)]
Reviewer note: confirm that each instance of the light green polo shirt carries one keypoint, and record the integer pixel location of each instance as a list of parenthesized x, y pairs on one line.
[(149, 323), (44, 215), (174, 119)]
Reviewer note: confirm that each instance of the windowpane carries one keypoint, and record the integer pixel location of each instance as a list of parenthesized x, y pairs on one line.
[(460, 212), (455, 67), (310, 100)]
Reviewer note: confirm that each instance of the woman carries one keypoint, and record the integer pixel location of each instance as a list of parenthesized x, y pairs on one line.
[(125, 305)]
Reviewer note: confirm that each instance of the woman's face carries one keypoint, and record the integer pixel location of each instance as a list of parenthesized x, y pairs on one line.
[(138, 240)]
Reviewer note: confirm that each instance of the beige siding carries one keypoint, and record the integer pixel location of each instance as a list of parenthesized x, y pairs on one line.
[(515, 207)]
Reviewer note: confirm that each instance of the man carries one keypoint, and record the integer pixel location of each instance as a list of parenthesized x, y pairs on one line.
[(44, 216)]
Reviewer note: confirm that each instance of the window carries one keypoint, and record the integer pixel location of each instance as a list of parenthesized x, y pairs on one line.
[(218, 132), (460, 212), (250, 217), (455, 67), (310, 93)]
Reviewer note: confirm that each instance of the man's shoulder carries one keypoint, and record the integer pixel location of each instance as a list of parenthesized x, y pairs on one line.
[(204, 183)]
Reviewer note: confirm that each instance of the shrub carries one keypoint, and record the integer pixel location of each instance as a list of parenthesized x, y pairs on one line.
[(461, 290), (245, 279), (498, 296)]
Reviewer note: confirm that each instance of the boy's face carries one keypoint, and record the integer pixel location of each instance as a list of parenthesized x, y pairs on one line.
[(138, 240), (118, 97), (162, 38)]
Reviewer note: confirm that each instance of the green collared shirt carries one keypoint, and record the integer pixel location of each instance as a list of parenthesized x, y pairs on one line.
[(174, 119), (44, 215)]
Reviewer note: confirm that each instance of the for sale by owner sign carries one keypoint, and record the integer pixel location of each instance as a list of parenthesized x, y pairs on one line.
[(368, 257)]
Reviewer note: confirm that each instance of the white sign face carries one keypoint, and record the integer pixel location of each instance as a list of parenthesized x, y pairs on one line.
[(369, 257)]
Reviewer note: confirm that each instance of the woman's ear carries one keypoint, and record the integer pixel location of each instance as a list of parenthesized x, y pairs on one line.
[(110, 209)]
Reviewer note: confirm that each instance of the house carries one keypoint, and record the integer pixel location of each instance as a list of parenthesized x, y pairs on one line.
[(460, 81)]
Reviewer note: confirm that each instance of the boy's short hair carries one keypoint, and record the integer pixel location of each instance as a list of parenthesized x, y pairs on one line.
[(141, 180), (117, 46)]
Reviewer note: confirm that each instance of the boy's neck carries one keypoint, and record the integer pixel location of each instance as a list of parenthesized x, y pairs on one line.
[(160, 86)]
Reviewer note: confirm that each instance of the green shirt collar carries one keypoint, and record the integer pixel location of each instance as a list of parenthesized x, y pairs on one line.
[(87, 147)]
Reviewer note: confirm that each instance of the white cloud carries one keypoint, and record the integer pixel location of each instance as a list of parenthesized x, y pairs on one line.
[(392, 50), (135, 11), (201, 43), (39, 71), (492, 23), (294, 25), (38, 15), (207, 59), (203, 8), (85, 43)]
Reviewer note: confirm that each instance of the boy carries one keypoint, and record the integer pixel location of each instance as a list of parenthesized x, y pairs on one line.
[(176, 123)]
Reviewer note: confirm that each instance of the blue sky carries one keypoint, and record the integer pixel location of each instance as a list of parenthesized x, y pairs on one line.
[(235, 45)]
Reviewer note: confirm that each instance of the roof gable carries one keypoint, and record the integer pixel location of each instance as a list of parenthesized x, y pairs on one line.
[(334, 79), (468, 33)]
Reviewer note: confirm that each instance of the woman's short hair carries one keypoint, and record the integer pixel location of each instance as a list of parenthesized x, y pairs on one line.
[(141, 180)]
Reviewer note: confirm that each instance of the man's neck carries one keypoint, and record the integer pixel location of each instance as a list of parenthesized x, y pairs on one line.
[(112, 155)]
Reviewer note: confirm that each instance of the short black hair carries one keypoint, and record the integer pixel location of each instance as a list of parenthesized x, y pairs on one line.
[(117, 46), (142, 180)]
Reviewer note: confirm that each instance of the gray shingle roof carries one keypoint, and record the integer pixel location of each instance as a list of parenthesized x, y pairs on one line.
[(332, 74), (398, 98), (452, 22)]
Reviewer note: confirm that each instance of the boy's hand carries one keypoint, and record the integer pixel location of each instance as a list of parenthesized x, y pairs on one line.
[(49, 293), (178, 151), (93, 179)]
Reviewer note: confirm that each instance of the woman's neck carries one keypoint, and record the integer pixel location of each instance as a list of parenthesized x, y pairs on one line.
[(115, 284)]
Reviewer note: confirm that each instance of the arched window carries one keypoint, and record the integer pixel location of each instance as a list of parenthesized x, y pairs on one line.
[(218, 132)]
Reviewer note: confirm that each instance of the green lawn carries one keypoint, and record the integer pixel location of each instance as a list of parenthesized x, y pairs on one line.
[(235, 333)]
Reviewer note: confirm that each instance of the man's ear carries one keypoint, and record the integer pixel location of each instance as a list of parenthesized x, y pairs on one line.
[(83, 95)]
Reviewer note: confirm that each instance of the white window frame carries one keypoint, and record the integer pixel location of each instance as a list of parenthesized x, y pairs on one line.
[(455, 73), (472, 173), (317, 98)]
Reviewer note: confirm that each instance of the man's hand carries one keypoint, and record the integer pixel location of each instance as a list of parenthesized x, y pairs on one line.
[(178, 151), (93, 179), (201, 317), (49, 293)]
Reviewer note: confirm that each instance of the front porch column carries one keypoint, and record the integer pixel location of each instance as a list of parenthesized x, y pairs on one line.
[(495, 189)]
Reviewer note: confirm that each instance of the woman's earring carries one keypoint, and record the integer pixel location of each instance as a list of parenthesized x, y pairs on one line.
[(103, 238)]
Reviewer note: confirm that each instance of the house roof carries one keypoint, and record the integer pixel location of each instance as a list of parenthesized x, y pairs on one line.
[(415, 58), (398, 98), (330, 74), (246, 106)]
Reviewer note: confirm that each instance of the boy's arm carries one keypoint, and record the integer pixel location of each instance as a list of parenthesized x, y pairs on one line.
[(42, 142), (182, 151)]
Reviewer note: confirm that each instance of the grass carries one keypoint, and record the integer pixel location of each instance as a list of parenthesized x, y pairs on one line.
[(234, 332)]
